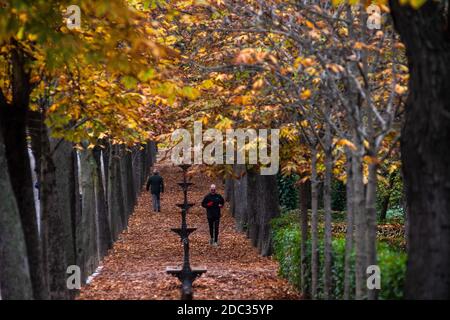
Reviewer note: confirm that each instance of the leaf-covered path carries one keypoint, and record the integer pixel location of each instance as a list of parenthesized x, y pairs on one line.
[(135, 267)]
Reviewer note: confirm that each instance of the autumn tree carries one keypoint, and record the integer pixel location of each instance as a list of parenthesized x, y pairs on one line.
[(424, 28)]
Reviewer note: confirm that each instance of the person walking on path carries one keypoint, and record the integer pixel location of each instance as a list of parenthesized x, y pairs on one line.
[(213, 202), (155, 184)]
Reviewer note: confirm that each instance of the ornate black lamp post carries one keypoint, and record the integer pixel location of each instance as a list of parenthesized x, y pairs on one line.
[(185, 274)]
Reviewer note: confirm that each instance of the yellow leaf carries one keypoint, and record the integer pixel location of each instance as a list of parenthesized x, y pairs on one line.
[(190, 93), (335, 67), (416, 4), (298, 62), (308, 62), (207, 84), (371, 160), (400, 89), (311, 71), (241, 100), (32, 37), (258, 84), (343, 32), (316, 81), (309, 24), (304, 123), (336, 2), (306, 94), (347, 143)]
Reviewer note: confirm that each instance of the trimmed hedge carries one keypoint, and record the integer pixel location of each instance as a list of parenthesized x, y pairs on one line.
[(287, 192), (286, 239)]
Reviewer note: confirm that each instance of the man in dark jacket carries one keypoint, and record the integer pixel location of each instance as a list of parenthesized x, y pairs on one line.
[(156, 185), (213, 202)]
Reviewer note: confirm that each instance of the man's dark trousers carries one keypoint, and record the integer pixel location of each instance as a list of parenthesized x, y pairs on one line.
[(214, 228), (155, 184), (156, 198)]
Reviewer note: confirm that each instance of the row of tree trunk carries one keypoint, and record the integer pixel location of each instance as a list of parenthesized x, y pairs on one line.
[(254, 203), (85, 198)]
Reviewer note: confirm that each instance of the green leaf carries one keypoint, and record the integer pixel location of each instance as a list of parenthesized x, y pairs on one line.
[(190, 93), (129, 82)]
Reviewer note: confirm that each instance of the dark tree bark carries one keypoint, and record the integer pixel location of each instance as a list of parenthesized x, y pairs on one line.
[(371, 232), (425, 147), (251, 198), (148, 158), (314, 225), (52, 223), (304, 263), (328, 249), (143, 156), (105, 155), (115, 195), (153, 152), (126, 183), (254, 204), (228, 189), (268, 207), (137, 171), (240, 201), (350, 227), (123, 180), (76, 204), (13, 119), (15, 281), (105, 238), (131, 187), (87, 251), (63, 157), (360, 218), (387, 197)]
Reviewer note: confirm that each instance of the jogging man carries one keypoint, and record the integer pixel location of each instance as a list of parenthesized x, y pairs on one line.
[(213, 202)]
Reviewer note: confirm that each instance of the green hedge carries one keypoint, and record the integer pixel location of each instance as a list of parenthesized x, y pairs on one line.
[(287, 191), (286, 236)]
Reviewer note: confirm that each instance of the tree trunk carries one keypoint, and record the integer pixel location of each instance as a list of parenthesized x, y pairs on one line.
[(240, 201), (371, 233), (359, 212), (425, 147), (137, 172), (63, 157), (268, 208), (348, 290), (87, 229), (250, 198), (56, 229), (387, 197), (76, 205), (304, 263), (328, 250), (53, 235), (105, 239), (228, 189), (115, 195), (13, 123), (15, 281), (130, 182), (105, 155), (314, 225)]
